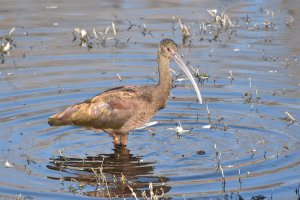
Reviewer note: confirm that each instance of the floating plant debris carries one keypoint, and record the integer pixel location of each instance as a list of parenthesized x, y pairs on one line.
[(289, 119), (8, 164), (179, 130), (6, 43)]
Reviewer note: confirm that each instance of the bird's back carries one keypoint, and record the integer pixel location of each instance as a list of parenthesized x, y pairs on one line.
[(120, 109)]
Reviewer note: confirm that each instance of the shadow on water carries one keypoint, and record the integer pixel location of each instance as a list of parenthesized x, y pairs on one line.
[(119, 174)]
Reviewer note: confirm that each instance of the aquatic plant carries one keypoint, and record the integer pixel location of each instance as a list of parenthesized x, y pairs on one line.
[(6, 44)]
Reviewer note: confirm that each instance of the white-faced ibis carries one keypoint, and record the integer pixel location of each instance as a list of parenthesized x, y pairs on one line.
[(120, 110)]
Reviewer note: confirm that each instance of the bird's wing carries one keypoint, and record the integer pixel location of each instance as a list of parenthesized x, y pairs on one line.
[(108, 110)]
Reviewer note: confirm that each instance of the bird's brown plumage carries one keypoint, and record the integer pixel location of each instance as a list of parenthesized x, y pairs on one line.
[(119, 110)]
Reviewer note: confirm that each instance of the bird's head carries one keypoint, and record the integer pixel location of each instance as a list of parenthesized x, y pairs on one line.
[(168, 48)]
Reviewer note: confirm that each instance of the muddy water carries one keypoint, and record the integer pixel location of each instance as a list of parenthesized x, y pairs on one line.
[(250, 150)]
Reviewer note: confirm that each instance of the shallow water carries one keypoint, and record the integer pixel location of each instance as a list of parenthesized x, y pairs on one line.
[(256, 147)]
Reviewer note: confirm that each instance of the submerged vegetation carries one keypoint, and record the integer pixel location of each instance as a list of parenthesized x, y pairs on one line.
[(102, 176), (6, 44), (220, 26)]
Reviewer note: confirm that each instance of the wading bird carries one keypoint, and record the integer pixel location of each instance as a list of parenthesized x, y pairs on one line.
[(120, 110)]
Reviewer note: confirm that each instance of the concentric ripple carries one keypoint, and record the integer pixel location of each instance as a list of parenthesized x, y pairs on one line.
[(234, 146)]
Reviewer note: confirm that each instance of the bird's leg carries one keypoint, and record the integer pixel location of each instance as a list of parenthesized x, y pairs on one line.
[(116, 138), (120, 139), (124, 139)]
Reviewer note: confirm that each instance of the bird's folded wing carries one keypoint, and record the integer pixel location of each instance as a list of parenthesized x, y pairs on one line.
[(109, 110)]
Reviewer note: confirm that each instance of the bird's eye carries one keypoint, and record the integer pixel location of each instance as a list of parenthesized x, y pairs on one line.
[(169, 49)]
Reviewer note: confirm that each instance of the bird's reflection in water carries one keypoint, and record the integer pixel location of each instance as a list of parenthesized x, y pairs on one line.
[(111, 175)]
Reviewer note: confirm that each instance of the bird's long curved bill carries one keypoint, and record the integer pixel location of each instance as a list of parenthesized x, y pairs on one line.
[(184, 68)]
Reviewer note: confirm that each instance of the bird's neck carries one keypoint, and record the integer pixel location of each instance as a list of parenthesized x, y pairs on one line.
[(165, 79)]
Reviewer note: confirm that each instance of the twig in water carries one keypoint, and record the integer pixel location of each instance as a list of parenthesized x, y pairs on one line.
[(218, 158), (103, 36), (153, 194), (101, 177), (96, 36), (290, 119), (263, 55), (115, 35), (8, 164), (174, 27), (223, 179), (247, 97), (132, 192), (179, 130), (131, 25), (11, 32), (289, 21), (119, 77), (208, 114), (114, 29), (6, 43), (240, 180), (257, 96), (210, 52), (231, 76), (223, 21), (185, 31), (62, 155), (146, 31), (250, 82), (290, 116)]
